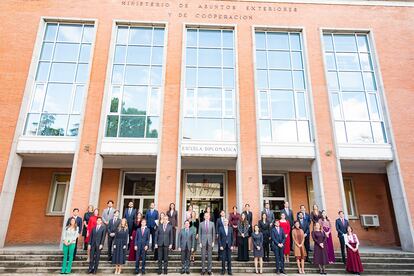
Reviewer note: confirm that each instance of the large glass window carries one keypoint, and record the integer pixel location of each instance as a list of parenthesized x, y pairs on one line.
[(139, 188), (355, 101), (274, 192), (281, 87), (209, 108), (136, 82), (60, 81)]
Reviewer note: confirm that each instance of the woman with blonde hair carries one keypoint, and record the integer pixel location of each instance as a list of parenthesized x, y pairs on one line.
[(69, 241), (120, 246)]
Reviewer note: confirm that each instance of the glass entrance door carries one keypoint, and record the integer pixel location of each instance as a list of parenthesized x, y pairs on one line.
[(140, 189), (274, 192), (203, 190)]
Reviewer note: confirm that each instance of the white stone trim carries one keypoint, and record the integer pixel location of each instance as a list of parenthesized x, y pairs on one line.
[(339, 2), (119, 146), (46, 144), (365, 152)]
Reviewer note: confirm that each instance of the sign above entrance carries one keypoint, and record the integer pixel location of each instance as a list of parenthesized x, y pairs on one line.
[(200, 149)]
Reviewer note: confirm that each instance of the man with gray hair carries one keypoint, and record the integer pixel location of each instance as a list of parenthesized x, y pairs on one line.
[(207, 234)]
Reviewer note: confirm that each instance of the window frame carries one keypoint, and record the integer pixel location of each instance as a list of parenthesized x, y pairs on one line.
[(52, 194), (352, 199)]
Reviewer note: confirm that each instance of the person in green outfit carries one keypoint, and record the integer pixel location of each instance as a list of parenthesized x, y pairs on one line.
[(69, 241)]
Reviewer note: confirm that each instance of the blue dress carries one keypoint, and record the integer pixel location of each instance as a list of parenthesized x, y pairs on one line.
[(257, 241), (119, 252)]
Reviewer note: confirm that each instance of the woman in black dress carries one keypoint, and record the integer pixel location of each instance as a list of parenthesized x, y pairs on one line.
[(320, 256), (315, 215), (265, 228), (86, 218), (257, 238), (243, 239), (120, 246)]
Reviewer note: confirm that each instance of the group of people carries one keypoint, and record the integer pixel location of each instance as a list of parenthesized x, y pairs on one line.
[(132, 237)]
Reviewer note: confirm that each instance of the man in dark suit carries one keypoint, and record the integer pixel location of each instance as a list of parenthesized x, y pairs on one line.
[(270, 216), (96, 243), (219, 224), (141, 246), (163, 242), (151, 216), (225, 243), (278, 241), (304, 224), (341, 225), (112, 228), (289, 216), (78, 219), (186, 244), (130, 214)]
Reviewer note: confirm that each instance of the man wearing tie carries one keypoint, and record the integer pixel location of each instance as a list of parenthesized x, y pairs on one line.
[(163, 241), (207, 233), (186, 244), (219, 224), (225, 243), (130, 214), (278, 241), (96, 243), (141, 246), (270, 216), (304, 224), (289, 216), (112, 229), (151, 216), (108, 212), (78, 219), (341, 225)]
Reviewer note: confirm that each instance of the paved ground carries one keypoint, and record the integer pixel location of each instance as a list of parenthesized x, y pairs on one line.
[(177, 274)]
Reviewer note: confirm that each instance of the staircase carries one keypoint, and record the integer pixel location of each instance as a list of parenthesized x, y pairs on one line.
[(49, 261)]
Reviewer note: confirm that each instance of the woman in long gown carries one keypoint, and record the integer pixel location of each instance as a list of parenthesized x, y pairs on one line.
[(285, 224), (320, 257), (234, 218), (86, 218), (298, 237), (243, 237), (265, 228), (91, 225), (353, 260), (326, 228), (120, 246), (194, 224), (137, 225)]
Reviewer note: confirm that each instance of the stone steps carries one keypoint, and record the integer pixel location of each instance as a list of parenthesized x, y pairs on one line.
[(49, 261)]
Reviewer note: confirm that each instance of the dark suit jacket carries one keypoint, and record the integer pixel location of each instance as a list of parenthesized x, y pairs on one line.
[(186, 240), (305, 226), (225, 240), (172, 218), (289, 216), (130, 217), (78, 223), (151, 218), (249, 217), (113, 227), (278, 237), (341, 228), (142, 240), (164, 238), (219, 224), (98, 237), (305, 217)]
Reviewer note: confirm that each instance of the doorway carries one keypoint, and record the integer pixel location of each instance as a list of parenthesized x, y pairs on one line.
[(138, 188), (205, 189)]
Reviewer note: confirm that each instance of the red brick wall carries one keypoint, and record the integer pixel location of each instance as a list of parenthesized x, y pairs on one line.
[(109, 188), (29, 223)]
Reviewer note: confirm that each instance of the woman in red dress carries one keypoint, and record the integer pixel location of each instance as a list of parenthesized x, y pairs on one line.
[(285, 224), (91, 225), (353, 260), (137, 224)]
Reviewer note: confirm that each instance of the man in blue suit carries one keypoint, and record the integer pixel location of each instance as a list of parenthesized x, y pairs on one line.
[(225, 243), (304, 224), (151, 216), (130, 215), (278, 244), (141, 246), (341, 225)]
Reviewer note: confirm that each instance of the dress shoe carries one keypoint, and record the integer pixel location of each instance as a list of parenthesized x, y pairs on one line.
[(230, 273), (182, 271), (209, 273), (159, 272), (202, 273), (222, 273), (136, 272), (187, 272), (143, 272)]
